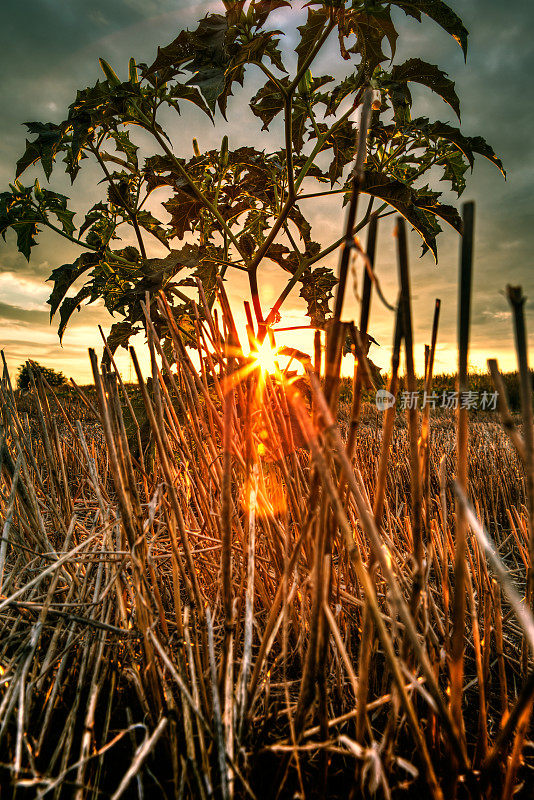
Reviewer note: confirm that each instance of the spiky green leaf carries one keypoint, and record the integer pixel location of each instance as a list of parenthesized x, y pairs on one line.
[(69, 306), (43, 148), (317, 290), (441, 13), (418, 71), (64, 276)]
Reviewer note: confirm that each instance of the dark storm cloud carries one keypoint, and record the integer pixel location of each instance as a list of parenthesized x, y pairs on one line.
[(37, 37), (9, 313), (49, 48), (26, 316)]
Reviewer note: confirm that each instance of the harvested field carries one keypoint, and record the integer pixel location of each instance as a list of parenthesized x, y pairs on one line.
[(224, 616)]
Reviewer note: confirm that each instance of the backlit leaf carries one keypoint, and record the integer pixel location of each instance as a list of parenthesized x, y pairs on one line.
[(69, 306), (64, 276), (310, 33), (343, 142), (43, 148), (441, 13), (119, 335), (263, 8), (26, 232), (267, 103), (184, 209), (317, 290), (419, 208), (147, 221), (428, 75)]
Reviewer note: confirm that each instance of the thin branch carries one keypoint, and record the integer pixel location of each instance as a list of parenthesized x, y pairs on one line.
[(310, 261), (53, 227), (288, 109), (281, 88), (308, 61)]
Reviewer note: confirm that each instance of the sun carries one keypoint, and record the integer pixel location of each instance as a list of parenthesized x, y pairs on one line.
[(265, 357), (262, 359)]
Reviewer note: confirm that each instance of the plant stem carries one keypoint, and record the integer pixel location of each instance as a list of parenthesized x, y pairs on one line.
[(53, 227), (309, 262), (123, 204)]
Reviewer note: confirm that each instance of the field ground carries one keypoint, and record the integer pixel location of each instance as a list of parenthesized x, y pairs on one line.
[(215, 613)]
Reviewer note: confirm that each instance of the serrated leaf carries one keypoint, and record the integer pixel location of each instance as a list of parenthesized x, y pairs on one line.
[(26, 232), (442, 130), (119, 335), (343, 142), (65, 217), (441, 13), (255, 50), (182, 91), (304, 227), (317, 291), (430, 75), (161, 171), (203, 52), (162, 268), (454, 170), (234, 11), (124, 144), (69, 306), (419, 208), (263, 8), (256, 224), (280, 254), (206, 42), (184, 209), (43, 148), (153, 225), (310, 34), (94, 214), (64, 276), (349, 85), (55, 203), (207, 271), (211, 80), (447, 213), (267, 103), (371, 29), (480, 145), (468, 145)]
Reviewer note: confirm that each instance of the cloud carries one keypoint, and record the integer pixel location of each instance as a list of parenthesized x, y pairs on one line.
[(29, 294), (14, 313)]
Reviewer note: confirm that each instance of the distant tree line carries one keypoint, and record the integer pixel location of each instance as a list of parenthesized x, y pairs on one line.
[(51, 376)]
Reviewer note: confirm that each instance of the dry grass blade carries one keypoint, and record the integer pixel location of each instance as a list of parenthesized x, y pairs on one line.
[(141, 754)]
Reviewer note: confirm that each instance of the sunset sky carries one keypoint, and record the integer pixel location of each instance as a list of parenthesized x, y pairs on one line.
[(49, 48)]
